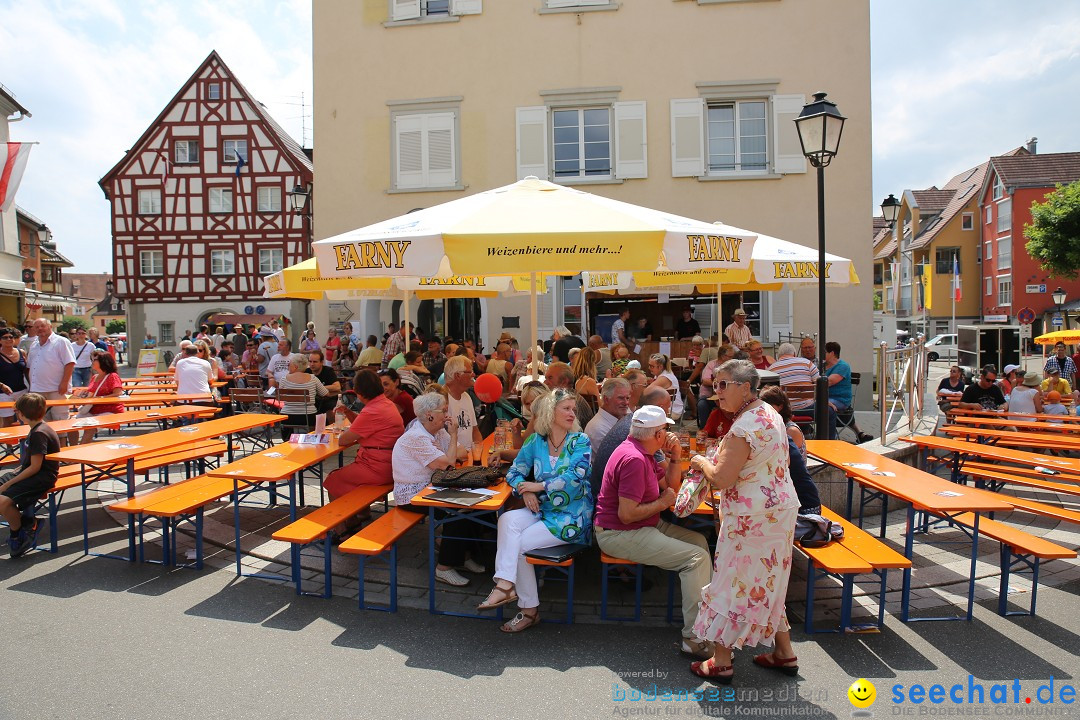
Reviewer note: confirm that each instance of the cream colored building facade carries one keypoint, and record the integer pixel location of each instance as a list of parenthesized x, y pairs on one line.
[(681, 105)]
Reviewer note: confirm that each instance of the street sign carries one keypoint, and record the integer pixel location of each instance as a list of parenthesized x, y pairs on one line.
[(1025, 332), (1057, 321), (1035, 289), (1025, 316)]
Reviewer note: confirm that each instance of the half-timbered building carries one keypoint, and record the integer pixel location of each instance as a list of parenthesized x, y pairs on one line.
[(200, 210)]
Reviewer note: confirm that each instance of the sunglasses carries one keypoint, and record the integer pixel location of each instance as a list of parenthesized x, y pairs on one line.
[(720, 385)]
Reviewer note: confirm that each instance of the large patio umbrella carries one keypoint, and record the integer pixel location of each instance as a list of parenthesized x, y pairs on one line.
[(1069, 337), (532, 226)]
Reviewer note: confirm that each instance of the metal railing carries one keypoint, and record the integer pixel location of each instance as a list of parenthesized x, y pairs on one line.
[(901, 382)]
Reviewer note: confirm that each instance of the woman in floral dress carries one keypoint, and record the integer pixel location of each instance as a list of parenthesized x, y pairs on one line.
[(744, 603)]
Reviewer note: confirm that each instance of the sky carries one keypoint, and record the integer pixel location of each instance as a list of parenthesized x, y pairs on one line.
[(953, 82)]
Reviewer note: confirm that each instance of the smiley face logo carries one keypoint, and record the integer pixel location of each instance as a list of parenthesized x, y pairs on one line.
[(862, 693)]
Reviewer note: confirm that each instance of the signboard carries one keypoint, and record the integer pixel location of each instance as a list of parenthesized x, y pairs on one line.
[(1057, 321), (1035, 289), (1026, 316), (1025, 332), (995, 318), (148, 360)]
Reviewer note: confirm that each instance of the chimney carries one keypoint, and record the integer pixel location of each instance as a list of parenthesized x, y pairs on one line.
[(1032, 144)]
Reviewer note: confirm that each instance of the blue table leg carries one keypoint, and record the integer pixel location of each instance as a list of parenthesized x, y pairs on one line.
[(431, 560), (974, 557), (909, 551)]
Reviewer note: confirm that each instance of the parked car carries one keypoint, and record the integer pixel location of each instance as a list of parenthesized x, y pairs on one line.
[(941, 347)]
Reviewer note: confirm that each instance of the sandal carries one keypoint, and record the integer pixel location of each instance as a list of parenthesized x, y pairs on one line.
[(712, 671), (497, 598), (788, 666), (521, 622)]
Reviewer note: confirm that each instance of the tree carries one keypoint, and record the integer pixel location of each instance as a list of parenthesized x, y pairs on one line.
[(1054, 233), (70, 324), (116, 326)]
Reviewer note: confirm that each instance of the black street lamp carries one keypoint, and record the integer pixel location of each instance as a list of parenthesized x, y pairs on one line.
[(820, 125), (890, 209), (1059, 300), (300, 202)]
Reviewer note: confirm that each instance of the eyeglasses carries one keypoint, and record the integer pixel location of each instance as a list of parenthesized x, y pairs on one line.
[(721, 385)]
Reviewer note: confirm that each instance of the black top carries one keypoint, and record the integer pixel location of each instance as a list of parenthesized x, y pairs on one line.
[(990, 398), (561, 349), (13, 374), (686, 329), (326, 376), (41, 440), (946, 384), (641, 332)]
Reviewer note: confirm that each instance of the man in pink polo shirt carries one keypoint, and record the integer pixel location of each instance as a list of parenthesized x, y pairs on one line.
[(637, 486)]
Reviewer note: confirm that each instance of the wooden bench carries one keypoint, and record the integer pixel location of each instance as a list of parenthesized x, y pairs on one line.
[(566, 568), (857, 553), (317, 527), (374, 540), (70, 476), (997, 476), (1018, 548), (172, 505), (608, 563)]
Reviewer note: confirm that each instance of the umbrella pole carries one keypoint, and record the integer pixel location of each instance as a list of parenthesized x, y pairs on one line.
[(408, 335), (533, 327)]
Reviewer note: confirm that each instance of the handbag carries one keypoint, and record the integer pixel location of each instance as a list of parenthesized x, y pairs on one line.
[(468, 476), (87, 409), (694, 489), (814, 531)]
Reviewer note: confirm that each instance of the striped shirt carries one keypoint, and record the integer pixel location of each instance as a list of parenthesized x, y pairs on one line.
[(312, 385), (793, 369), (738, 336)]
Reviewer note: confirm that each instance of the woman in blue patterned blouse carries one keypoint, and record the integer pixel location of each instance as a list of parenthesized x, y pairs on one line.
[(558, 504)]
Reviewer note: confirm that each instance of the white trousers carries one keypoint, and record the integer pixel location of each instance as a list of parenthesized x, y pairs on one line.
[(519, 532)]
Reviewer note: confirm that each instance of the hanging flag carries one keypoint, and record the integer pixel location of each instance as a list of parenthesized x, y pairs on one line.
[(895, 285), (240, 162), (957, 293), (164, 155), (11, 171)]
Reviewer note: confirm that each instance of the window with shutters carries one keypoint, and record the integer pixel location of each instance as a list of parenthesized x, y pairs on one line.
[(150, 201), (219, 200), (222, 262), (582, 136), (269, 198), (1004, 251), (1004, 216), (581, 143), (988, 286), (425, 153), (1004, 284), (166, 333), (736, 129), (151, 262), (413, 11)]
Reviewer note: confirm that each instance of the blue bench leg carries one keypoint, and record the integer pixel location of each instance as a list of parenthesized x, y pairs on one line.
[(328, 584), (393, 578), (846, 600), (811, 577), (570, 595), (199, 539), (54, 510), (360, 577), (1003, 588), (881, 599), (671, 596), (294, 554), (909, 543), (603, 592)]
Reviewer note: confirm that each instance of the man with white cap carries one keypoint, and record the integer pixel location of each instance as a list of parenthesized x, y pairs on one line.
[(638, 484), (738, 333)]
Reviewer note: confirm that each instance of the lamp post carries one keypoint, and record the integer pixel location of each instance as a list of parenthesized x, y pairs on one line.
[(300, 201), (890, 210), (1059, 300), (820, 125)]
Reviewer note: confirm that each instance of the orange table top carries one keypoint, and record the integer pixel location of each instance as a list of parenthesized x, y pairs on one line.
[(140, 400), (1029, 425), (1021, 438), (278, 462), (495, 502), (995, 452), (14, 433), (120, 450), (907, 483), (1005, 415)]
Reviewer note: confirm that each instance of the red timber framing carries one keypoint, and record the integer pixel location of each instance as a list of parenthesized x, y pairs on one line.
[(185, 225)]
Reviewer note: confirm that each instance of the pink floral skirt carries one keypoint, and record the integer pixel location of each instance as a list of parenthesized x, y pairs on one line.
[(744, 603)]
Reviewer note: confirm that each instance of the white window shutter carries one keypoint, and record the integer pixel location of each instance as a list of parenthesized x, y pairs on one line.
[(787, 151), (466, 7), (404, 9), (687, 137), (409, 162), (532, 142), (441, 156), (631, 152)]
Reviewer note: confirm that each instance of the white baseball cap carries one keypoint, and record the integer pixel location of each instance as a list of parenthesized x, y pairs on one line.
[(633, 365), (1010, 368), (648, 416)]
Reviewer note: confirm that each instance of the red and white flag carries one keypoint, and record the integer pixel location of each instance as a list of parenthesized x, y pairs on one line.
[(11, 172), (957, 289)]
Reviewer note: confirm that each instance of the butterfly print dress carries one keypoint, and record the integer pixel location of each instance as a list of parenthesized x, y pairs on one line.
[(744, 603)]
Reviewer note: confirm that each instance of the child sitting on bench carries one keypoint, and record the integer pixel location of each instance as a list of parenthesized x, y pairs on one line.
[(21, 488)]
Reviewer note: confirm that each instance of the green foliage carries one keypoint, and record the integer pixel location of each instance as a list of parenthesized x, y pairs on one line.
[(71, 324), (116, 326), (1054, 233)]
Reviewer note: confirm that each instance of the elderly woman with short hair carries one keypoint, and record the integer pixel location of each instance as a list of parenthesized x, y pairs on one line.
[(744, 603), (430, 444), (551, 473), (299, 413)]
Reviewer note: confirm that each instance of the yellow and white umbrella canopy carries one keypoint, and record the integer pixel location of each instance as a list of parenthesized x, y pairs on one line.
[(1069, 337), (303, 282), (532, 226)]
